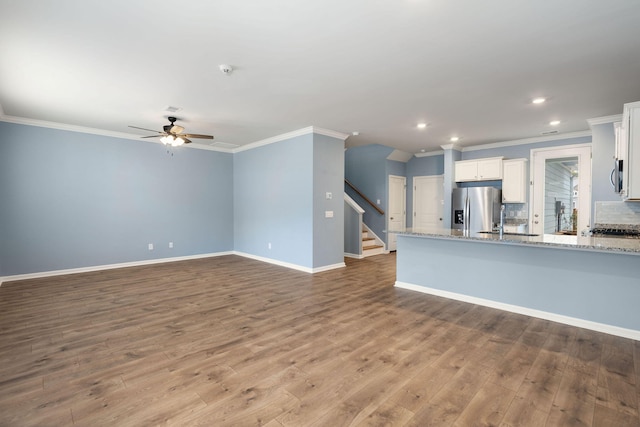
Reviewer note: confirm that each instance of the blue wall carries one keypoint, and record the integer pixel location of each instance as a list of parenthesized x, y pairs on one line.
[(593, 286), (366, 168), (72, 200), (273, 201), (328, 177)]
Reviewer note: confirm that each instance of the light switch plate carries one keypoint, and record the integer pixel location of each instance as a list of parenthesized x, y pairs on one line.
[(328, 214)]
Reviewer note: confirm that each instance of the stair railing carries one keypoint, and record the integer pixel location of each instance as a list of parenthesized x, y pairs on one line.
[(365, 198)]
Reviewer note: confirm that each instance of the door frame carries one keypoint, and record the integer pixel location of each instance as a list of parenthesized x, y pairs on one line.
[(391, 241), (539, 156)]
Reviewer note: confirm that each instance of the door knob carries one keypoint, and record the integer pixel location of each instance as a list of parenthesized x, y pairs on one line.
[(535, 222), (536, 215), (391, 218)]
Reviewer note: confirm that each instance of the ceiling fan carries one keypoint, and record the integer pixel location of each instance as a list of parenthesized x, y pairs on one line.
[(172, 134)]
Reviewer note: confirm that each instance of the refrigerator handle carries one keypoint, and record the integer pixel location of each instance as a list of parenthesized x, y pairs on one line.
[(467, 206)]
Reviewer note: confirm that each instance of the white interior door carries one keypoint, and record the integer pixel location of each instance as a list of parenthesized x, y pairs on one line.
[(396, 212), (542, 197), (428, 202)]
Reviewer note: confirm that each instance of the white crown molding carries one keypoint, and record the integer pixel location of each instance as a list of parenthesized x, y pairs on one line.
[(67, 127), (93, 131), (604, 120), (282, 137), (533, 140), (567, 320), (430, 153), (450, 147), (330, 133)]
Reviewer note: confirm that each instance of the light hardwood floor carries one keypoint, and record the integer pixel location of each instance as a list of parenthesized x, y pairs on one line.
[(232, 341)]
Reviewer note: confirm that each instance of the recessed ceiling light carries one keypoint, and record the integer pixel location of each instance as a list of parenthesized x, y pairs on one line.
[(454, 139), (421, 125), (554, 122), (538, 100)]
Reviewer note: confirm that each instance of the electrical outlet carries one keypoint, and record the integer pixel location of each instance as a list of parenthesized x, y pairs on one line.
[(170, 245), (328, 214), (150, 246)]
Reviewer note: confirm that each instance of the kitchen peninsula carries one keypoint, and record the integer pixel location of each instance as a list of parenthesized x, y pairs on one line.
[(588, 282)]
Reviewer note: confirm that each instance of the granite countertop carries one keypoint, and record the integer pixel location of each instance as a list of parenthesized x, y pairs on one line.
[(588, 243)]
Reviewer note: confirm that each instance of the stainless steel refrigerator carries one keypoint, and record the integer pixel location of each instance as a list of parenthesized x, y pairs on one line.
[(475, 209)]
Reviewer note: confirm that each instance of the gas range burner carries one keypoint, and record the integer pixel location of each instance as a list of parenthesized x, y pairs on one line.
[(616, 230)]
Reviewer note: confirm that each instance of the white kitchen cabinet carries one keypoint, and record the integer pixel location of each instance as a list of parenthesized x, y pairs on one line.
[(514, 181), (628, 150), (489, 169)]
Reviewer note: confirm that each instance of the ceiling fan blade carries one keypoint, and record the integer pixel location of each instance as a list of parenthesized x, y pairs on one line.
[(175, 129), (150, 130), (195, 135), (186, 140), (152, 136)]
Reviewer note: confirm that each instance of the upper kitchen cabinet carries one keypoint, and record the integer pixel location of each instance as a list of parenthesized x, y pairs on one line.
[(489, 169), (514, 181), (628, 151)]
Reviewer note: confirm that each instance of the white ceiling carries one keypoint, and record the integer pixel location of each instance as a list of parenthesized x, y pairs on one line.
[(466, 67)]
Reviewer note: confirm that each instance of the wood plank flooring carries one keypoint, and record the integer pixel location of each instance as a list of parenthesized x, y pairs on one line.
[(230, 341)]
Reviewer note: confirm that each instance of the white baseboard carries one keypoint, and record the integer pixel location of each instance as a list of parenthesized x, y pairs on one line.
[(572, 321), (163, 260), (107, 267), (356, 256), (290, 265)]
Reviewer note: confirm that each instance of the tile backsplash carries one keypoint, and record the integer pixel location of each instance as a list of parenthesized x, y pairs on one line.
[(516, 213), (617, 213)]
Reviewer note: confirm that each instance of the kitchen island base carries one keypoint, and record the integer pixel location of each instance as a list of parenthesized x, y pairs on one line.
[(589, 289)]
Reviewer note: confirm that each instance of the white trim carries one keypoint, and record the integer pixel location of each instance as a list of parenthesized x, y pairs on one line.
[(289, 135), (430, 153), (604, 120), (108, 266), (399, 156), (572, 321), (163, 260), (290, 265), (534, 140), (536, 181), (329, 132), (356, 256), (99, 132), (199, 146), (356, 207), (329, 267)]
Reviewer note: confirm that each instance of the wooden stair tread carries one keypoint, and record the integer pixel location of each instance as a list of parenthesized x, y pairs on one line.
[(372, 247)]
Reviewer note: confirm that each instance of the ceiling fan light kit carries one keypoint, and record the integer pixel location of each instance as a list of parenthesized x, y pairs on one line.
[(172, 134)]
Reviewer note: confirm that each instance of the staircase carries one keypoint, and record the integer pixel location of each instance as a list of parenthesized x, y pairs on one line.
[(371, 244)]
